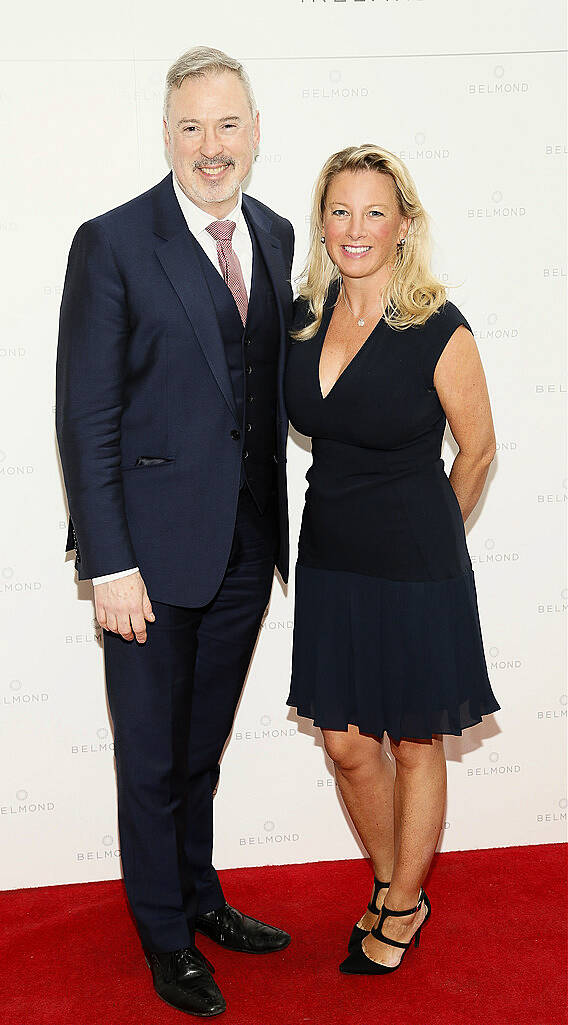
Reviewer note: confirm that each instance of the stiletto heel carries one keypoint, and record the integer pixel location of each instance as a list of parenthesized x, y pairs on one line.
[(359, 964), (358, 934)]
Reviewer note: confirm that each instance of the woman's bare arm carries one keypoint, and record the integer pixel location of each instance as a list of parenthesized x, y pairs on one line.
[(460, 383)]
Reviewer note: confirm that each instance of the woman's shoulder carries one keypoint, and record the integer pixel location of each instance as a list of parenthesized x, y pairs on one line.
[(435, 335), (301, 315), (445, 320), (301, 311)]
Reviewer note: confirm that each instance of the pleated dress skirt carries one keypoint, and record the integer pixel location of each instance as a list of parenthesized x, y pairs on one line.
[(405, 658)]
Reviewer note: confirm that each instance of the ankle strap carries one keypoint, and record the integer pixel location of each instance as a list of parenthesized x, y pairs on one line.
[(378, 885), (378, 933), (410, 911)]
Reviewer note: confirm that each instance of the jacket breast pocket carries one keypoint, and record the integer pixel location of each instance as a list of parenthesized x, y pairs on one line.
[(153, 460), (143, 461)]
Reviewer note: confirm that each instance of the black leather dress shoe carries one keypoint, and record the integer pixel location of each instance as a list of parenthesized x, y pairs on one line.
[(184, 980), (235, 931)]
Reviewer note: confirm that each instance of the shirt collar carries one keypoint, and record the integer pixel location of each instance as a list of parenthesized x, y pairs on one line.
[(198, 219)]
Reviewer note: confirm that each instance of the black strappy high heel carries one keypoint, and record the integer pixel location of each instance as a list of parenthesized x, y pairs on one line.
[(358, 934), (359, 964)]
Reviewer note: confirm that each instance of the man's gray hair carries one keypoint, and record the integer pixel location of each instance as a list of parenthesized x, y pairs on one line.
[(201, 61)]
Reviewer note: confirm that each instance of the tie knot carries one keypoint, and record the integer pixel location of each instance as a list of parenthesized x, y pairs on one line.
[(222, 231)]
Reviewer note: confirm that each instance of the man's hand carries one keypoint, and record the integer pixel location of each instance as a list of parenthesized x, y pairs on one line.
[(123, 606)]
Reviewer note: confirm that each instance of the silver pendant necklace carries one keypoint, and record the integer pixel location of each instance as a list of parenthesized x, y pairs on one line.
[(360, 320)]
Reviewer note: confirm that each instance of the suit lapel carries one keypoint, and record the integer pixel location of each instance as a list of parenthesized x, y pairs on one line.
[(271, 249), (176, 251)]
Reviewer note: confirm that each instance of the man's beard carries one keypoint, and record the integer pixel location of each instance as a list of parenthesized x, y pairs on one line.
[(216, 193)]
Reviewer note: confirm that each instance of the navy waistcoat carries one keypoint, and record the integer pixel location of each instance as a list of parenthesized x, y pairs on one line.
[(252, 359)]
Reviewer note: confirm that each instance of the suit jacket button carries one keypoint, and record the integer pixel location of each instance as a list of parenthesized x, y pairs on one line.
[(249, 369), (275, 457), (249, 427), (245, 454), (236, 435)]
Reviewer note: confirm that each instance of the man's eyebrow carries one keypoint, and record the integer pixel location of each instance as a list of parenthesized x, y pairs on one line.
[(195, 121)]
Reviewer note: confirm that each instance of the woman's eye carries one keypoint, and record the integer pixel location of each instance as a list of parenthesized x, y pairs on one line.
[(339, 212), (376, 213)]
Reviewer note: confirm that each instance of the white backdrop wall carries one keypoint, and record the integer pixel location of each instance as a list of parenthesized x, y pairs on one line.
[(471, 98)]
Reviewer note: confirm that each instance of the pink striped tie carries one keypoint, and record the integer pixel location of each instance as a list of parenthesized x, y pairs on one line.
[(222, 232)]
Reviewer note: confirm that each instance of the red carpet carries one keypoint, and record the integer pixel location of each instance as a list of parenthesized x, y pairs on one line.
[(493, 953)]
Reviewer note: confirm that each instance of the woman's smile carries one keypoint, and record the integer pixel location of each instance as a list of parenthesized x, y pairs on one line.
[(355, 251)]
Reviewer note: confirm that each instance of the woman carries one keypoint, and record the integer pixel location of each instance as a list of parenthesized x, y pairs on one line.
[(386, 633)]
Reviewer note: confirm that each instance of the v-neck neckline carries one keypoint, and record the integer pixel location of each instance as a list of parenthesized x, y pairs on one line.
[(325, 322)]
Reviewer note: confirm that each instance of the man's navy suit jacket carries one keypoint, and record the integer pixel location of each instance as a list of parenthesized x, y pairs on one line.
[(146, 418)]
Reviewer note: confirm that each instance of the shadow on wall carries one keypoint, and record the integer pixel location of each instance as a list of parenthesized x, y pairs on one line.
[(300, 440)]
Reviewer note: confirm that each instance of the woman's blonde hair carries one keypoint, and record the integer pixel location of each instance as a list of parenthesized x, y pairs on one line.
[(413, 293)]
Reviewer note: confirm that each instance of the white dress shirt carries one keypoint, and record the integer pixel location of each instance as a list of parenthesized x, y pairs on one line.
[(197, 222)]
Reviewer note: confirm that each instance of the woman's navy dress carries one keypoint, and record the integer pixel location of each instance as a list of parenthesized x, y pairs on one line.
[(386, 627)]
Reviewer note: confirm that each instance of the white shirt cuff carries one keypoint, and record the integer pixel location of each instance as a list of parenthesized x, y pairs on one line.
[(114, 576)]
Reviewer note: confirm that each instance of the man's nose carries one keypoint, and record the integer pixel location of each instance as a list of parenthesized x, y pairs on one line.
[(211, 146)]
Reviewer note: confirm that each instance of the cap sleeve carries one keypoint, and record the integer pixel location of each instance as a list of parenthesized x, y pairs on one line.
[(438, 330), (301, 315)]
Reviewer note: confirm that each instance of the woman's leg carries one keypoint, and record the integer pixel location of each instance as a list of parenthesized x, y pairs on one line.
[(419, 802), (365, 777)]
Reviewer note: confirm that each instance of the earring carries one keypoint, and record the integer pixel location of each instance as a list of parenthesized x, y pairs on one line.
[(323, 238)]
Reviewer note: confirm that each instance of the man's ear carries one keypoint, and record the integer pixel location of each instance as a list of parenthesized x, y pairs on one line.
[(256, 130)]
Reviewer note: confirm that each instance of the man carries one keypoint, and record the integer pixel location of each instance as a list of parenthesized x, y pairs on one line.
[(172, 434)]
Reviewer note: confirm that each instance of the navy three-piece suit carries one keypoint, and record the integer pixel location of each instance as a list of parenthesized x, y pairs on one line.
[(172, 434)]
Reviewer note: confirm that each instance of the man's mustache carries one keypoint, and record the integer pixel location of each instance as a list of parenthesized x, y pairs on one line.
[(213, 162)]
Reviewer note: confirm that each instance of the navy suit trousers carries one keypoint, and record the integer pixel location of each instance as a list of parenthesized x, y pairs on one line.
[(172, 702)]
